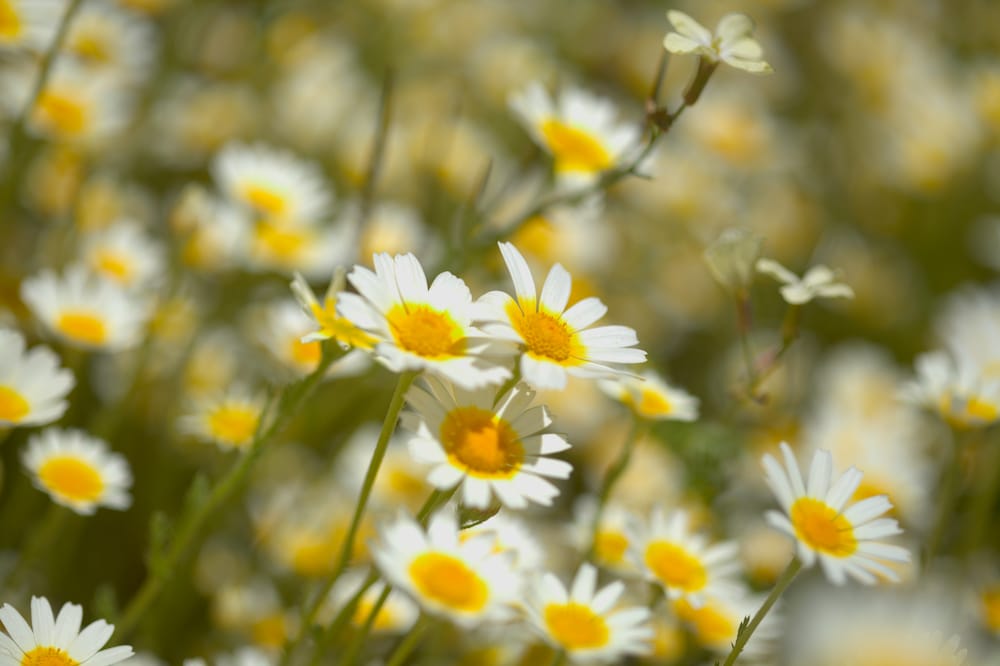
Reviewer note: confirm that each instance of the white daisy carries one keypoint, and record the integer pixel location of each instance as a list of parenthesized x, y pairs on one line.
[(651, 397), (86, 311), (954, 389), (585, 621), (58, 640), (125, 253), (556, 341), (514, 536), (419, 327), (33, 388), (78, 471), (491, 450), (612, 542), (229, 419), (579, 131), (843, 539), (818, 282), (109, 40), (464, 580), (715, 623), (324, 315), (279, 328), (731, 43), (290, 247), (29, 24), (396, 616)]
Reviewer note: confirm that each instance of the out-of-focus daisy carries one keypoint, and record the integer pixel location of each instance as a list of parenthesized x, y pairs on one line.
[(394, 229), (715, 623), (324, 315), (652, 398), (106, 39), (818, 282), (843, 538), (731, 43), (513, 536), (463, 580), (125, 254), (33, 388), (398, 612), (579, 130), (419, 327), (229, 419), (78, 471), (86, 311), (499, 450), (280, 327), (612, 542), (290, 247), (954, 390), (29, 23), (669, 553), (585, 621), (56, 640), (556, 340)]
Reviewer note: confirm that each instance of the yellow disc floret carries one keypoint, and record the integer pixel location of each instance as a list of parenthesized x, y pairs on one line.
[(675, 567), (82, 326), (13, 406), (72, 478), (574, 149), (448, 581), (546, 335), (823, 529), (424, 331), (481, 443), (576, 627), (47, 656), (233, 423)]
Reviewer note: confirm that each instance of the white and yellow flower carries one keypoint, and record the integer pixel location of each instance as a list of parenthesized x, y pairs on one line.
[(954, 389), (56, 640), (124, 253), (78, 471), (579, 130), (585, 622), (555, 340), (463, 580), (652, 398), (845, 539), (324, 315), (33, 388), (290, 247), (29, 24), (419, 327), (229, 419), (732, 42), (86, 311), (818, 282), (279, 328), (110, 40), (716, 622), (491, 450), (612, 542), (396, 616)]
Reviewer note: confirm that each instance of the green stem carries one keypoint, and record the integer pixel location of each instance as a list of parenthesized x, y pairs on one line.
[(43, 538), (358, 642), (559, 658), (789, 334), (946, 502), (611, 478), (743, 636), (408, 644), (983, 498)]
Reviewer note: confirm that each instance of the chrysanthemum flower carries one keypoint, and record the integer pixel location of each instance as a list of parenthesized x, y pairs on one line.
[(331, 325), (556, 341), (612, 542), (78, 471), (56, 641), (845, 540), (652, 398), (731, 43), (229, 419), (86, 311), (29, 23), (419, 327), (499, 450), (818, 282), (112, 41), (954, 389), (396, 616), (585, 621), (716, 622), (290, 247), (579, 131), (279, 328), (33, 388), (125, 254), (464, 580)]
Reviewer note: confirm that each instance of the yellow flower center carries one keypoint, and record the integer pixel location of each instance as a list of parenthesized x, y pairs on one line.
[(82, 326), (990, 601), (281, 242), (13, 406), (313, 555), (481, 443), (62, 113), (385, 620), (675, 567), (978, 410), (10, 22), (114, 265), (711, 625), (652, 403), (339, 328), (574, 149), (426, 332), (72, 478), (870, 487), (545, 335), (265, 200), (233, 423), (449, 582), (610, 546), (47, 656), (822, 528), (305, 354), (270, 631), (575, 626), (537, 237), (92, 47)]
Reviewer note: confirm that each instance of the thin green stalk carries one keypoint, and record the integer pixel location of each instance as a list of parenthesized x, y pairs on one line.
[(789, 334), (745, 632), (409, 644), (378, 149), (559, 658), (946, 501), (611, 478), (358, 642), (984, 498)]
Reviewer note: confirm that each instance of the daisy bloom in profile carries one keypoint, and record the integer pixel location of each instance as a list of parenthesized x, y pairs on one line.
[(682, 562), (716, 622), (954, 390), (419, 327), (78, 471), (29, 24), (585, 622), (229, 419), (818, 282), (652, 398), (499, 450), (843, 538), (324, 315), (464, 580), (86, 311), (125, 254), (556, 340), (579, 130), (732, 42), (33, 388), (396, 616), (56, 640)]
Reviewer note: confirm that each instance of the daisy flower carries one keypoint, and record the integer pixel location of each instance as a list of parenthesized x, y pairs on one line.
[(579, 130), (843, 538), (86, 311), (398, 612), (818, 282), (652, 398), (324, 315), (125, 254), (585, 622), (289, 247), (29, 23), (33, 388), (499, 450), (56, 640), (229, 419), (465, 581), (419, 327), (731, 43), (556, 341), (78, 471), (716, 622), (953, 389), (107, 39), (613, 539), (683, 563), (279, 328)]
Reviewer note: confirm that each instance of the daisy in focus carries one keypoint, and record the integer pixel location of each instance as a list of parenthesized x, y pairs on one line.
[(579, 130), (499, 450), (732, 42), (652, 398), (587, 623), (33, 388), (556, 340), (464, 580), (818, 282), (229, 419), (29, 24), (78, 471), (419, 327), (324, 315), (56, 640), (843, 538)]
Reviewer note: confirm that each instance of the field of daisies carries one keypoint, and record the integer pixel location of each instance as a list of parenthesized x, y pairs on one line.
[(499, 333)]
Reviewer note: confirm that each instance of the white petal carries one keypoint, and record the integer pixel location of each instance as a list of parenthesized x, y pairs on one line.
[(520, 274), (555, 291), (688, 27)]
